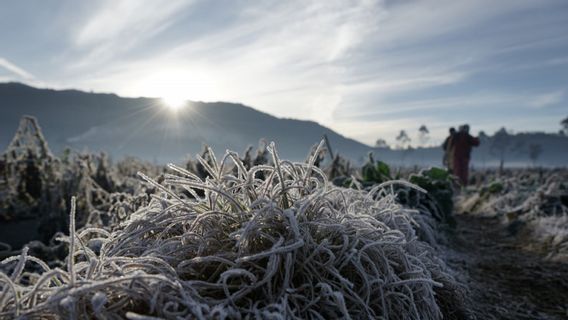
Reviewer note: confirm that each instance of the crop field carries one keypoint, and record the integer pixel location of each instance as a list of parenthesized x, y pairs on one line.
[(254, 236)]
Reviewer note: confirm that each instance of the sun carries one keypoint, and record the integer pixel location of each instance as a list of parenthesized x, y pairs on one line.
[(177, 87), (174, 102)]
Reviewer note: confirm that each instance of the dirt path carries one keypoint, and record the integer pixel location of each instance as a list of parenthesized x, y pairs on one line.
[(506, 282)]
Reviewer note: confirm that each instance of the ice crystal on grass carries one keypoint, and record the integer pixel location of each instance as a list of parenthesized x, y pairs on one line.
[(287, 245), (532, 203)]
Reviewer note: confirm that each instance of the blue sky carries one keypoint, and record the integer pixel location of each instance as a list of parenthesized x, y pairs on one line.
[(364, 68)]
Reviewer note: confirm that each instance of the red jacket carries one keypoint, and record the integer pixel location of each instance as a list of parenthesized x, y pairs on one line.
[(462, 143)]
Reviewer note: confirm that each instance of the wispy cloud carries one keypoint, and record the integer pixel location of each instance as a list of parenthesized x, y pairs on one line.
[(547, 99), (352, 65), (396, 84), (285, 57), (419, 107), (486, 108), (16, 70), (119, 25)]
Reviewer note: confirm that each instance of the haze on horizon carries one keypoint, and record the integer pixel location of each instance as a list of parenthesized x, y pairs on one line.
[(366, 69)]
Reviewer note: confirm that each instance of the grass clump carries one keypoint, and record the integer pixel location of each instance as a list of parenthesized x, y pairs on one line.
[(289, 246)]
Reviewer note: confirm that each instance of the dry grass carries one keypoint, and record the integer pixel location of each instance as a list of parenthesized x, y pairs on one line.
[(287, 246)]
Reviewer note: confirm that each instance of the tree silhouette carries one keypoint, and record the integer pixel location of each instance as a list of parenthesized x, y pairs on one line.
[(534, 152), (403, 139), (501, 140), (423, 133), (564, 124), (502, 145), (381, 143)]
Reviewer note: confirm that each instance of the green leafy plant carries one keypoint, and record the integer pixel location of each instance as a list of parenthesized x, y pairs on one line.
[(439, 197)]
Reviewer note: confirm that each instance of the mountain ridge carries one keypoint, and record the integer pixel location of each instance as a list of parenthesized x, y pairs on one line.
[(145, 128), (103, 113)]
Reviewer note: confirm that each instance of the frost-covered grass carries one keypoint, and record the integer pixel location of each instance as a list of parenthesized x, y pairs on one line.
[(290, 245), (551, 235), (531, 200)]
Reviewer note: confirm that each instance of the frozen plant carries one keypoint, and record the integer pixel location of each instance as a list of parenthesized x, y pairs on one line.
[(289, 246)]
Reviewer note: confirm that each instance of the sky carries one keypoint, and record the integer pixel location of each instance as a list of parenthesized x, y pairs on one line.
[(366, 69)]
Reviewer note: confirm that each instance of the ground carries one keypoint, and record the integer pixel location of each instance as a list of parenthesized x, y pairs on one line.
[(506, 281)]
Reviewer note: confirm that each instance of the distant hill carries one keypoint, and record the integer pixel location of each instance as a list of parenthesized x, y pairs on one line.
[(143, 127)]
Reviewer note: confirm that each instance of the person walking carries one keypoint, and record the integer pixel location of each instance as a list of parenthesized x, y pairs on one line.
[(461, 145), (447, 146)]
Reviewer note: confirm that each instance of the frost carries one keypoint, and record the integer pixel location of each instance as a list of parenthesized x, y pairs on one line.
[(532, 203), (269, 241)]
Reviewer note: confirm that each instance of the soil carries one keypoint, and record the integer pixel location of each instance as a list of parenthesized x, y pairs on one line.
[(505, 281)]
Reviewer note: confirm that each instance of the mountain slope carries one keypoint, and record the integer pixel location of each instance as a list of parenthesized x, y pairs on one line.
[(144, 127)]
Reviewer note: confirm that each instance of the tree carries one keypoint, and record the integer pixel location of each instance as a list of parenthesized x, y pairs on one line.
[(423, 135), (534, 152), (483, 140), (501, 140), (381, 143), (564, 124), (403, 140), (502, 144)]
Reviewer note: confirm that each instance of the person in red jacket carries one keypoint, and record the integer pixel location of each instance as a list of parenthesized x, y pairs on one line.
[(462, 143)]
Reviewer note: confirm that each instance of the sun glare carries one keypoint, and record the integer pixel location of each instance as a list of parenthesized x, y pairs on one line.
[(174, 102), (176, 87)]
